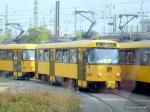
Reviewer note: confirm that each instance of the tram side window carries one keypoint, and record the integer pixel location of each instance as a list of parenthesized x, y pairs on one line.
[(40, 55), (28, 55), (136, 57), (46, 55), (9, 55), (73, 55), (65, 55), (122, 57), (145, 57), (58, 55), (129, 57), (1, 54)]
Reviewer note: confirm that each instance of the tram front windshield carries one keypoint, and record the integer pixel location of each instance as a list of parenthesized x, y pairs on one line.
[(103, 56)]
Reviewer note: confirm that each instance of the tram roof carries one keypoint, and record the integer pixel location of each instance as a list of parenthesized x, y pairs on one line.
[(17, 46), (77, 44), (136, 44)]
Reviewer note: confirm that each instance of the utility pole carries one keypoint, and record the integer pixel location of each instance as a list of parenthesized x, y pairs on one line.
[(75, 22), (6, 21), (57, 27), (114, 23), (111, 19), (35, 14), (1, 25), (142, 17)]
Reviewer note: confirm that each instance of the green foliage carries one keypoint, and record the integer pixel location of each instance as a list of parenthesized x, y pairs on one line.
[(36, 35), (1, 39), (39, 102), (82, 35), (79, 34)]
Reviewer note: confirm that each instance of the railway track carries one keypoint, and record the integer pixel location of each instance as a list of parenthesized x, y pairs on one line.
[(131, 100), (131, 105), (145, 107), (109, 107)]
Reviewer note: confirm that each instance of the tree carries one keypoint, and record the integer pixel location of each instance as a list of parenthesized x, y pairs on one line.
[(91, 35), (79, 34), (1, 39), (36, 35)]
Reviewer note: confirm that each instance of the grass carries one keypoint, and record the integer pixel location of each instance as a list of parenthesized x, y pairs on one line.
[(39, 102)]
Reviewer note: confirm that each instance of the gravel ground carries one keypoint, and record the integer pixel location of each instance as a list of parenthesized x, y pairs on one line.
[(123, 103)]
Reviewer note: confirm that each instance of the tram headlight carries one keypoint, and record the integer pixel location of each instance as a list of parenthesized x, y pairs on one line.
[(99, 75), (118, 74)]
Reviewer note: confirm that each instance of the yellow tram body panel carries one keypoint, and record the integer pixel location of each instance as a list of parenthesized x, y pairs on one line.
[(17, 46), (43, 68), (102, 73), (137, 44), (28, 66), (6, 65), (66, 70), (135, 72)]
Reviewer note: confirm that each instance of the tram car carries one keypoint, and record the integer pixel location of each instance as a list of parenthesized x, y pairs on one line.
[(135, 65), (18, 60), (92, 64)]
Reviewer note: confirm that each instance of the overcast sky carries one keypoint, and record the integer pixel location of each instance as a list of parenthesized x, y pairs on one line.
[(21, 11)]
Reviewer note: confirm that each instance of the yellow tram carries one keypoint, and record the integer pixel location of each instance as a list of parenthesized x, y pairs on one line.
[(18, 59), (135, 65), (86, 64)]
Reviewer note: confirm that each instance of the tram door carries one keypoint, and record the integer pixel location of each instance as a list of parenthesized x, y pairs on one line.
[(17, 62), (81, 66), (52, 64)]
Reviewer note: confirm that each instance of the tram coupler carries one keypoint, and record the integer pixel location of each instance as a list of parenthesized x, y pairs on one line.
[(111, 84)]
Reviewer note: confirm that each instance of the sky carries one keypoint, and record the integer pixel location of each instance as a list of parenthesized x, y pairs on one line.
[(21, 11)]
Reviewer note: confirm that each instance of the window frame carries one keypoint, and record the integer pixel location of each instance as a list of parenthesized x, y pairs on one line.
[(76, 51), (3, 55), (42, 51), (28, 59), (141, 57), (88, 49), (56, 60), (122, 56), (12, 54), (129, 56), (63, 54), (137, 56), (69, 55)]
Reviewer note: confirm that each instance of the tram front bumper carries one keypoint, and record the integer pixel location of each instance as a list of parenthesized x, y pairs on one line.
[(111, 84)]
